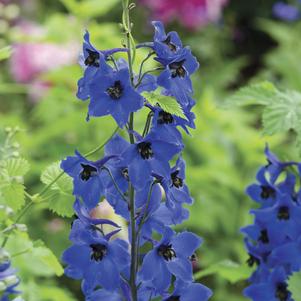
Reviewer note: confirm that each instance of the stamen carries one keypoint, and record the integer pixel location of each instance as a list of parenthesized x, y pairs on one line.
[(116, 90), (267, 191), (87, 172), (92, 59), (281, 291), (170, 45), (177, 69), (283, 213), (165, 118), (176, 181), (167, 252), (145, 150), (98, 251)]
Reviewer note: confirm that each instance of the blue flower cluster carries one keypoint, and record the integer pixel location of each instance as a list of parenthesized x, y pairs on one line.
[(274, 240), (287, 12), (136, 178), (8, 279)]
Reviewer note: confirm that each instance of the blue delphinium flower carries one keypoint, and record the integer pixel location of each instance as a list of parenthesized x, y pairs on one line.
[(166, 46), (111, 93), (176, 76), (170, 257), (273, 288), (175, 187), (95, 259), (90, 61), (148, 155), (274, 240), (87, 182)]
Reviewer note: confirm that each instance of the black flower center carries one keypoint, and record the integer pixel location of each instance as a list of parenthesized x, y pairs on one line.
[(283, 213), (177, 69), (98, 251), (125, 173), (170, 45), (173, 298), (92, 59), (267, 191), (145, 150), (165, 118), (281, 291), (176, 181), (253, 260), (116, 90), (167, 252), (264, 238), (87, 172)]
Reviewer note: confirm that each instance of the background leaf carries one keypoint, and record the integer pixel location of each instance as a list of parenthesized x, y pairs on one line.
[(59, 196), (261, 93)]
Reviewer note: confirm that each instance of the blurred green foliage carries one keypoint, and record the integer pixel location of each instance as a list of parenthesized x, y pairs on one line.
[(222, 154)]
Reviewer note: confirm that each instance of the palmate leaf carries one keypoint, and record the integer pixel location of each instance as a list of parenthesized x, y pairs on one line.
[(294, 286), (47, 257), (282, 109), (12, 190), (34, 258), (12, 194), (261, 94), (168, 103), (283, 113), (15, 167), (59, 196)]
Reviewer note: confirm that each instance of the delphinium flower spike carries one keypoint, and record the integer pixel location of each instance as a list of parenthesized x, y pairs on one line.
[(274, 240), (136, 177)]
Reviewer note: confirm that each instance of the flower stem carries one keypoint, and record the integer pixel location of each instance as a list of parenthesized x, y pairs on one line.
[(131, 52)]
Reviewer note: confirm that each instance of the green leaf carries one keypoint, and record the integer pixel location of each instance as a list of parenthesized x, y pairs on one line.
[(256, 94), (12, 194), (15, 167), (59, 196), (294, 286), (227, 269), (32, 258), (283, 114), (47, 257), (168, 103), (5, 52)]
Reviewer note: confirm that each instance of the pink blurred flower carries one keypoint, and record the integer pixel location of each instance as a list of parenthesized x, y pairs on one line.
[(31, 59), (191, 13)]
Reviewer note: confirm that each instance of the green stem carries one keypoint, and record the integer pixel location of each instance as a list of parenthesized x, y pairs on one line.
[(147, 72), (23, 211), (115, 184), (147, 124), (130, 43), (142, 63)]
